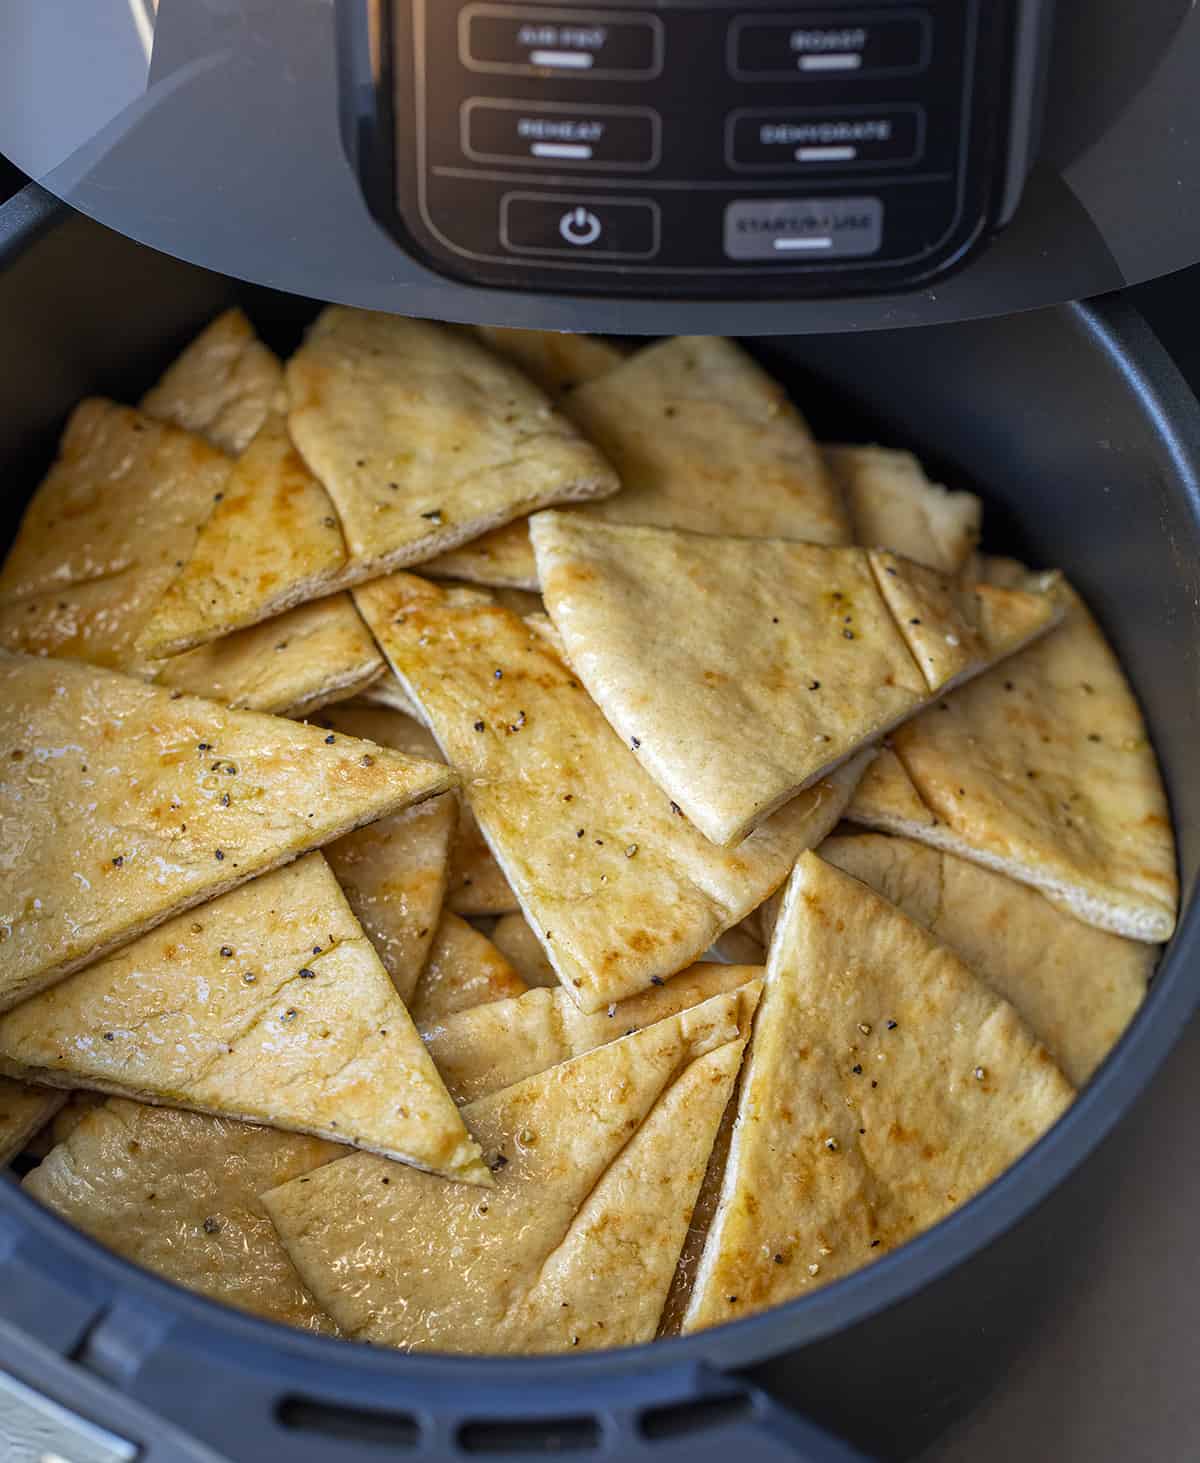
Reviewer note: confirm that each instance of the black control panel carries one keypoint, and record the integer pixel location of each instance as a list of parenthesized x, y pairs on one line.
[(690, 148)]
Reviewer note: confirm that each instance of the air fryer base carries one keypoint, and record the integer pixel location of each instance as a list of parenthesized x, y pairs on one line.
[(1076, 426)]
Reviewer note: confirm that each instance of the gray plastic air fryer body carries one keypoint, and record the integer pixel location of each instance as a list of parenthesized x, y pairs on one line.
[(1086, 444)]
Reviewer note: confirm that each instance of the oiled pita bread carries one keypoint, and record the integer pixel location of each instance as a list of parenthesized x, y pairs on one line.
[(316, 1041), (781, 659), (424, 439), (178, 1193), (739, 946), (477, 885), (122, 804), (618, 885), (1043, 771), (222, 386), (494, 1045), (503, 558), (893, 505), (24, 1111), (886, 1085), (387, 691), (292, 665), (464, 969), (886, 798), (597, 1163), (514, 939), (1076, 988), (557, 360), (703, 438), (272, 542), (393, 871)]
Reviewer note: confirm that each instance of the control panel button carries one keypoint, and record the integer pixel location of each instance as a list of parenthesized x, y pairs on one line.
[(533, 41), (803, 228), (825, 46), (619, 139), (544, 223), (802, 138)]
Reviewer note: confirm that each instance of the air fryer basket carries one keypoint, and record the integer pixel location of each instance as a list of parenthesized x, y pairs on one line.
[(1076, 427)]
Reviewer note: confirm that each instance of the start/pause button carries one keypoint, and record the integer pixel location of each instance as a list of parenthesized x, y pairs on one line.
[(799, 228), (554, 223)]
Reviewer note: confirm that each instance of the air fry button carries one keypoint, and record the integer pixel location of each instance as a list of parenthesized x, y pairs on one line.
[(558, 223), (803, 229)]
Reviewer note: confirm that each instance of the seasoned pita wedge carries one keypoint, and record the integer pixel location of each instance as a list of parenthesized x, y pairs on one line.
[(302, 660), (885, 1086), (893, 505), (490, 1046), (619, 886), (393, 872), (464, 969), (178, 1193), (597, 1163), (387, 691), (703, 438), (267, 1005), (502, 558), (24, 1111), (1043, 771), (778, 680), (223, 386), (517, 942), (424, 439), (1076, 988), (886, 797), (272, 542), (122, 804), (557, 360)]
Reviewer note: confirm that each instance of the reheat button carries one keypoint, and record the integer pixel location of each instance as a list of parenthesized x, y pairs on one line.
[(532, 41), (824, 46)]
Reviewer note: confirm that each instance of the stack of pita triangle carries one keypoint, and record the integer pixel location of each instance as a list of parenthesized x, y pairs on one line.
[(819, 652)]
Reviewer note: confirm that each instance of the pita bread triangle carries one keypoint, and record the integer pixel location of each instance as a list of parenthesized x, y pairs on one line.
[(1043, 771), (514, 939), (894, 505), (315, 1041), (223, 386), (620, 888), (24, 1111), (557, 360), (777, 683), (886, 1084), (464, 970), (704, 439), (495, 1045), (424, 439), (148, 802), (503, 558), (387, 691), (393, 871), (596, 1163), (1077, 988), (177, 1192)]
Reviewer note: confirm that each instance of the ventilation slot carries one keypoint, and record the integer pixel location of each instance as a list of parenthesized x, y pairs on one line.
[(387, 1429), (695, 1417), (541, 1435)]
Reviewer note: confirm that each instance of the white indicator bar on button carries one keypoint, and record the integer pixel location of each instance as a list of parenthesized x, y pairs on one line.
[(822, 241), (826, 154), (831, 61), (561, 149), (574, 60)]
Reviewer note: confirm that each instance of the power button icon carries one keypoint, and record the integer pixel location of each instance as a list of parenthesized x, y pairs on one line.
[(579, 226)]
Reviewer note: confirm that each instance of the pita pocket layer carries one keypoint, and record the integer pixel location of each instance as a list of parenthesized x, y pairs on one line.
[(619, 886), (1043, 771), (268, 1005), (893, 505), (596, 1162), (271, 542), (105, 533), (515, 940), (1076, 987), (464, 969), (122, 804), (886, 1085), (490, 1046), (24, 1111), (393, 871), (292, 665), (703, 438), (223, 386), (177, 1192), (741, 670), (424, 439), (556, 360)]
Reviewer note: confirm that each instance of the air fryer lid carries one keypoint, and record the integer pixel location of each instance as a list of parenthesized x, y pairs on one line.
[(224, 149)]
